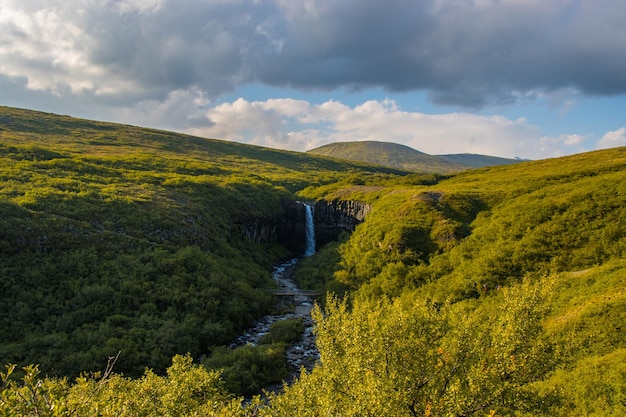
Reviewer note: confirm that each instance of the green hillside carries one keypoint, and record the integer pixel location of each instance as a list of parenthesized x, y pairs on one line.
[(116, 238), (406, 158), (388, 154), (493, 292), (542, 241)]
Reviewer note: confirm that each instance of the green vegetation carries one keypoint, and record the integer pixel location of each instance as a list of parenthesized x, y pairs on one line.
[(284, 331), (185, 390), (115, 238), (497, 291), (248, 369), (317, 272), (403, 157)]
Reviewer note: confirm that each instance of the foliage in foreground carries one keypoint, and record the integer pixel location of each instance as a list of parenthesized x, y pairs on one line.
[(186, 390), (409, 357)]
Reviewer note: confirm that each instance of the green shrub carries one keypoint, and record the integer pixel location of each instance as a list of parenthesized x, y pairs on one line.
[(249, 369), (284, 331)]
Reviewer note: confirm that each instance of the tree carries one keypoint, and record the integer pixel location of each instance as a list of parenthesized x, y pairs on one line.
[(186, 390), (409, 357)]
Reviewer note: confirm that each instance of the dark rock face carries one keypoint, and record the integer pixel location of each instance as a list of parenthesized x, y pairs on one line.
[(291, 227), (285, 227), (288, 227), (334, 217)]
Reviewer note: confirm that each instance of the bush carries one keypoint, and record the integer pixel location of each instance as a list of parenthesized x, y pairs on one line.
[(249, 369), (284, 331)]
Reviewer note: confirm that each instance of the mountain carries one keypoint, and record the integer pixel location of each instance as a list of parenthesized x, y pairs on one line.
[(406, 158), (479, 161)]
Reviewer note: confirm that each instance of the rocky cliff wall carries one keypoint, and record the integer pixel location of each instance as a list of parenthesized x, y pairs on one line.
[(285, 227), (334, 217), (288, 228)]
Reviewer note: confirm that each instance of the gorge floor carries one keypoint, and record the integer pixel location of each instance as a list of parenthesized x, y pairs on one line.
[(302, 353)]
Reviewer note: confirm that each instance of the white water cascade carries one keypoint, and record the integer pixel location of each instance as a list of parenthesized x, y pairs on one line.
[(310, 231)]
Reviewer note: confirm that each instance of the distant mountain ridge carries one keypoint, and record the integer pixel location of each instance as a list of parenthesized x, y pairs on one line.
[(406, 158), (479, 161)]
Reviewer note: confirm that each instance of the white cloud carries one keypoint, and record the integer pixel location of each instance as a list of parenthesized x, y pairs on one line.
[(613, 139), (48, 47), (181, 108), (141, 6), (572, 140), (300, 125), (554, 146)]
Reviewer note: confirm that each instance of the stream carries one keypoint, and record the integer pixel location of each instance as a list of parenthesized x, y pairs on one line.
[(299, 354), (303, 353)]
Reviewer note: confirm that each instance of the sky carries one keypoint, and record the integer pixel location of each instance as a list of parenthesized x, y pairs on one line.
[(531, 79)]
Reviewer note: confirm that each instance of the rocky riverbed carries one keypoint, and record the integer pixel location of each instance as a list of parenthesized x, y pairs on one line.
[(298, 304)]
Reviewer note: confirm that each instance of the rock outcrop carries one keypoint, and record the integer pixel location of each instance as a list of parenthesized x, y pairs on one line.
[(287, 227), (333, 217)]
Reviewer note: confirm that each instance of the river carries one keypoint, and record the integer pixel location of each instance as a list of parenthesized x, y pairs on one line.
[(303, 353), (299, 354)]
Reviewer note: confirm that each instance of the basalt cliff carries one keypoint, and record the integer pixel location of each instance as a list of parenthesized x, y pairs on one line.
[(287, 227)]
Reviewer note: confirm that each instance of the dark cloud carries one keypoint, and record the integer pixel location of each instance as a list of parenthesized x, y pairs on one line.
[(468, 53), (185, 44)]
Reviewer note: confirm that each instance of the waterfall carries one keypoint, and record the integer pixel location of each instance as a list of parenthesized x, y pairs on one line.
[(310, 231)]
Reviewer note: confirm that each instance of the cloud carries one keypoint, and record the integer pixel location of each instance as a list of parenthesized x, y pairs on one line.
[(128, 50), (44, 47), (468, 53), (465, 53), (166, 63), (565, 144), (300, 125), (183, 109), (613, 139)]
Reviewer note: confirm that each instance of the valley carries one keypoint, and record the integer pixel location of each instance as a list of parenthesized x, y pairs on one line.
[(301, 353), (292, 304), (440, 293)]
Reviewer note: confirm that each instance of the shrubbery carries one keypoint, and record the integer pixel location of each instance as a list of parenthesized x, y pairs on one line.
[(248, 369), (284, 331)]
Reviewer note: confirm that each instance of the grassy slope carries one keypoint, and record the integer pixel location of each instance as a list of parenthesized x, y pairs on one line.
[(560, 214), (389, 154), (465, 236), (479, 161), (404, 157), (120, 238)]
